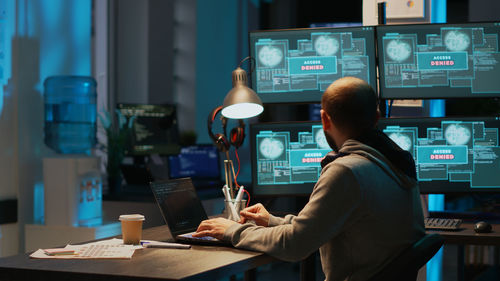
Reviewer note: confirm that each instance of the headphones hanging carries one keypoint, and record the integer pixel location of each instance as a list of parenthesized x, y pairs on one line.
[(236, 135)]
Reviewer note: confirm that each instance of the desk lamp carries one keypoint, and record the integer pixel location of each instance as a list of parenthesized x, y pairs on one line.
[(241, 102)]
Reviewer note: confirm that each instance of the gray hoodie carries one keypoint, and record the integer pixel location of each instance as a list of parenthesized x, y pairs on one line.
[(361, 214)]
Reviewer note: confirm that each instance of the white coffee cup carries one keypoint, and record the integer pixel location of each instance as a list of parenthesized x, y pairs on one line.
[(131, 228)]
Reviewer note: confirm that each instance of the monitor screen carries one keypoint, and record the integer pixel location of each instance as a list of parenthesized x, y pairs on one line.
[(439, 61), (286, 157), (297, 65), (179, 204), (154, 130), (197, 162), (451, 154)]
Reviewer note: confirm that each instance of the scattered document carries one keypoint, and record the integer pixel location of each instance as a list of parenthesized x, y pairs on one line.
[(106, 249)]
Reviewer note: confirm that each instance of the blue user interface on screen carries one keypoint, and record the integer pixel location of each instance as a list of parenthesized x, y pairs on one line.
[(439, 61), (451, 154), (286, 156), (297, 65), (197, 162)]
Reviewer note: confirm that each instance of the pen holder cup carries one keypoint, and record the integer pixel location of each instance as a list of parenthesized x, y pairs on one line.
[(227, 213)]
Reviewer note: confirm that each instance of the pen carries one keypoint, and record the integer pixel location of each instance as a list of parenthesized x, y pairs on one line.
[(239, 196), (234, 214), (165, 245), (58, 252)]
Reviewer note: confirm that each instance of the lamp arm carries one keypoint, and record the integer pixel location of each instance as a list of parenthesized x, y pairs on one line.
[(224, 126)]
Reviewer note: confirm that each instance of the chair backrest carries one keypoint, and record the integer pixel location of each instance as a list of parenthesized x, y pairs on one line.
[(406, 265)]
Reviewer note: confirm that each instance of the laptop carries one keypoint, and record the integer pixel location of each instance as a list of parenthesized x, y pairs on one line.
[(182, 210)]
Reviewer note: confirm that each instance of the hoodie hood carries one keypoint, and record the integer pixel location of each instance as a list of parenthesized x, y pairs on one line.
[(404, 173)]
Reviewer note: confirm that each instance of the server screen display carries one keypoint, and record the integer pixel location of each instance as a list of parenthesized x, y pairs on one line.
[(286, 156), (297, 65), (451, 154), (439, 61)]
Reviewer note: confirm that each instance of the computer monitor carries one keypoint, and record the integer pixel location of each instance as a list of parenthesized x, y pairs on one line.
[(439, 60), (297, 65), (200, 162), (155, 129), (286, 157), (452, 155)]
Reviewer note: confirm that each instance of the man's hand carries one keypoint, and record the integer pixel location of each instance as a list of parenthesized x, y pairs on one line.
[(213, 227), (257, 213)]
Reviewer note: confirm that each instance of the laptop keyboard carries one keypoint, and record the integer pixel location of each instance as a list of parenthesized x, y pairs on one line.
[(206, 238)]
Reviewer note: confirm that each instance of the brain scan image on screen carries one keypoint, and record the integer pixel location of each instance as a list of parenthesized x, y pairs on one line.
[(402, 140), (326, 46), (456, 134), (398, 50), (457, 41), (320, 139), (270, 56), (271, 148)]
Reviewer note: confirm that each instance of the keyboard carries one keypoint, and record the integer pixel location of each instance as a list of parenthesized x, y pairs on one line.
[(442, 224)]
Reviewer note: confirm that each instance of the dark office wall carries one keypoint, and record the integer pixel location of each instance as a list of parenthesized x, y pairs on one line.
[(472, 11), (317, 11), (484, 10), (144, 51), (131, 35), (457, 11), (280, 14), (160, 51)]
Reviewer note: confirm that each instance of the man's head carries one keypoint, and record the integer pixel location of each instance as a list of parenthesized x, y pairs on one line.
[(349, 109)]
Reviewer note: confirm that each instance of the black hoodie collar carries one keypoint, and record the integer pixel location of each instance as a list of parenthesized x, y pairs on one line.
[(399, 158), (382, 143)]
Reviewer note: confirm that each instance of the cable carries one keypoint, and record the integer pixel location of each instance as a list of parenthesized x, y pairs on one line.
[(390, 109), (235, 176), (248, 195), (239, 166), (251, 65)]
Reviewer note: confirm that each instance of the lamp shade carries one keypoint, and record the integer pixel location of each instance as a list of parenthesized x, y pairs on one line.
[(241, 102)]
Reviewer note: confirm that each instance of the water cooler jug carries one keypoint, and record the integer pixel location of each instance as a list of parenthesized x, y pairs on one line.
[(72, 181)]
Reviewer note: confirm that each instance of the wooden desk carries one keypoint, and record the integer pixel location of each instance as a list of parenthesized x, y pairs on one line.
[(208, 262), (467, 236)]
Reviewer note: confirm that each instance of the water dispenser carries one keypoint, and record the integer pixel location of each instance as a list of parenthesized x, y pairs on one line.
[(72, 181)]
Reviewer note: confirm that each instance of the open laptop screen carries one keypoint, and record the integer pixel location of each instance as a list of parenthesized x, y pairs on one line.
[(180, 206)]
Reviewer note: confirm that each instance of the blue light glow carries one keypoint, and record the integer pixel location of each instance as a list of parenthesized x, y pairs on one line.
[(438, 11), (64, 29), (437, 109), (38, 203), (7, 27), (58, 32)]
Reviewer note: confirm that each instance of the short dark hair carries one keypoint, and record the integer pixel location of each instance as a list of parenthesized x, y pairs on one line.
[(352, 105)]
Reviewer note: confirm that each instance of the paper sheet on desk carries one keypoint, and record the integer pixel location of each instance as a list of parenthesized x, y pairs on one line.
[(106, 249)]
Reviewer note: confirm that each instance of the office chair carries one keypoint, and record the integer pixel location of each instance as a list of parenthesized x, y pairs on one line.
[(406, 265)]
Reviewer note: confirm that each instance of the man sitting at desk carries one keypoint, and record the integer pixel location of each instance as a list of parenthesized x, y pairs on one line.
[(364, 209)]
